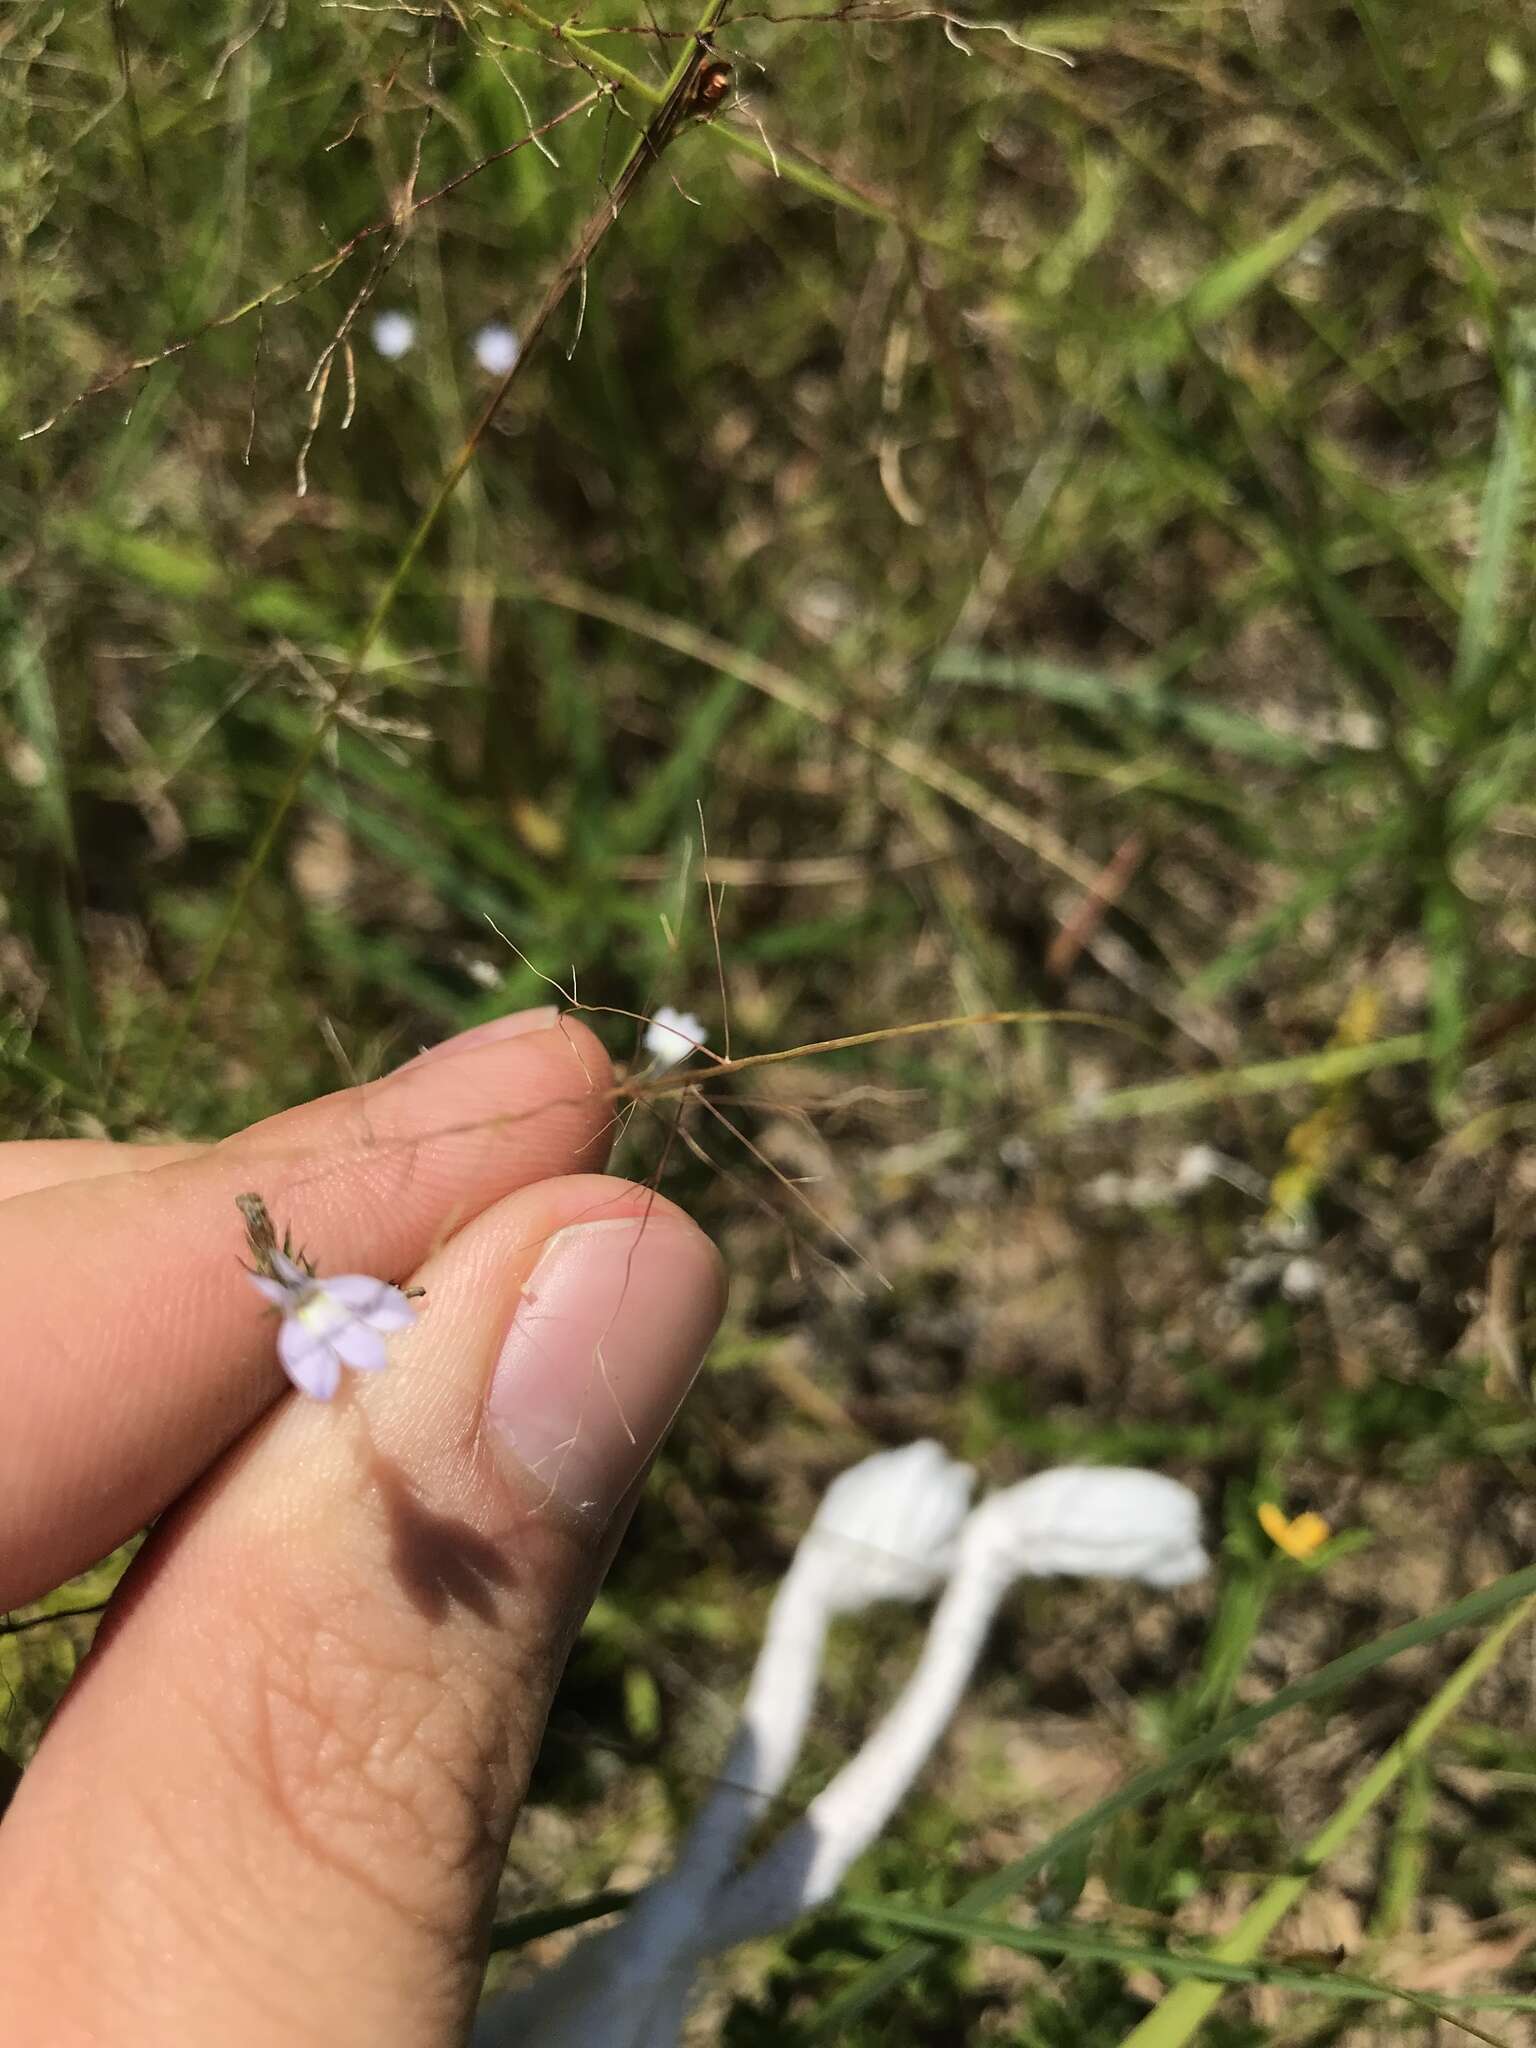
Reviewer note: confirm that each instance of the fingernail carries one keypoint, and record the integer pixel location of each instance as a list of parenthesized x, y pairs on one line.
[(492, 1032), (611, 1328)]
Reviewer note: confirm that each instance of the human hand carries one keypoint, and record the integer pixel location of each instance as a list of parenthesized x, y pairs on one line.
[(274, 1804)]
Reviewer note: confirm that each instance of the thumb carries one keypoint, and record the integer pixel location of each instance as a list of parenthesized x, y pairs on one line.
[(276, 1802)]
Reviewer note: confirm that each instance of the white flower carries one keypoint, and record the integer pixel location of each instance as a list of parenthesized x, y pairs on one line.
[(394, 335), (1302, 1280), (1099, 1521), (1198, 1166), (330, 1323), (497, 348), (671, 1036), (886, 1528)]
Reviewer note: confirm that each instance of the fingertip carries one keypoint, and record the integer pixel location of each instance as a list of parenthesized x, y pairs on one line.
[(137, 1350), (494, 1031), (555, 1063), (562, 1328)]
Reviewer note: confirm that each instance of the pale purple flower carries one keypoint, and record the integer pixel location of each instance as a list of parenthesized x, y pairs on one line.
[(330, 1323)]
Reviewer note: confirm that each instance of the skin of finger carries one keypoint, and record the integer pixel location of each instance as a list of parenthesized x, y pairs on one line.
[(28, 1165), (275, 1803), (136, 1349)]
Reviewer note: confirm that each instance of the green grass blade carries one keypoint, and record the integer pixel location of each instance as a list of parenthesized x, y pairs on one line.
[(410, 796), (1221, 289), (1338, 877), (669, 793), (1366, 653), (1478, 643), (1075, 1944), (31, 692), (1469, 1612), (1321, 1069), (542, 1920), (1128, 700), (1448, 949), (1407, 1858), (24, 672), (1179, 2016)]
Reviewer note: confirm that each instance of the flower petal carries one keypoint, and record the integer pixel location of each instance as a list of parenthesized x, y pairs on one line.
[(672, 1035), (392, 1312), (361, 1347), (359, 1291), (277, 1292), (371, 1301), (312, 1362), (289, 1270)]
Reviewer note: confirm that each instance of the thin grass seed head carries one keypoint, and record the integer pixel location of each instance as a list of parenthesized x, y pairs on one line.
[(671, 1036)]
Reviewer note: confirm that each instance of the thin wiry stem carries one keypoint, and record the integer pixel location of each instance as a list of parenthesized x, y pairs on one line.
[(841, 190), (920, 763), (795, 1194), (305, 280), (131, 96)]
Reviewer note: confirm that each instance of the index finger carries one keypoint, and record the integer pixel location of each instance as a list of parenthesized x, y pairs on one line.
[(135, 1349), (30, 1164)]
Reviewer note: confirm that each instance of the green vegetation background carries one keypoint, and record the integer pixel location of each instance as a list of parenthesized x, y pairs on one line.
[(1055, 497)]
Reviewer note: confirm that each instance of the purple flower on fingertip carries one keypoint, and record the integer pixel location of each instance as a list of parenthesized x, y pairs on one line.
[(329, 1323), (326, 1323)]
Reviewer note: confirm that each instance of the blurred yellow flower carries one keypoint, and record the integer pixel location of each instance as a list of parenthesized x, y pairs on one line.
[(1298, 1538)]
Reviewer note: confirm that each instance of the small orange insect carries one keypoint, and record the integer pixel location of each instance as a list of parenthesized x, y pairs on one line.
[(712, 81)]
